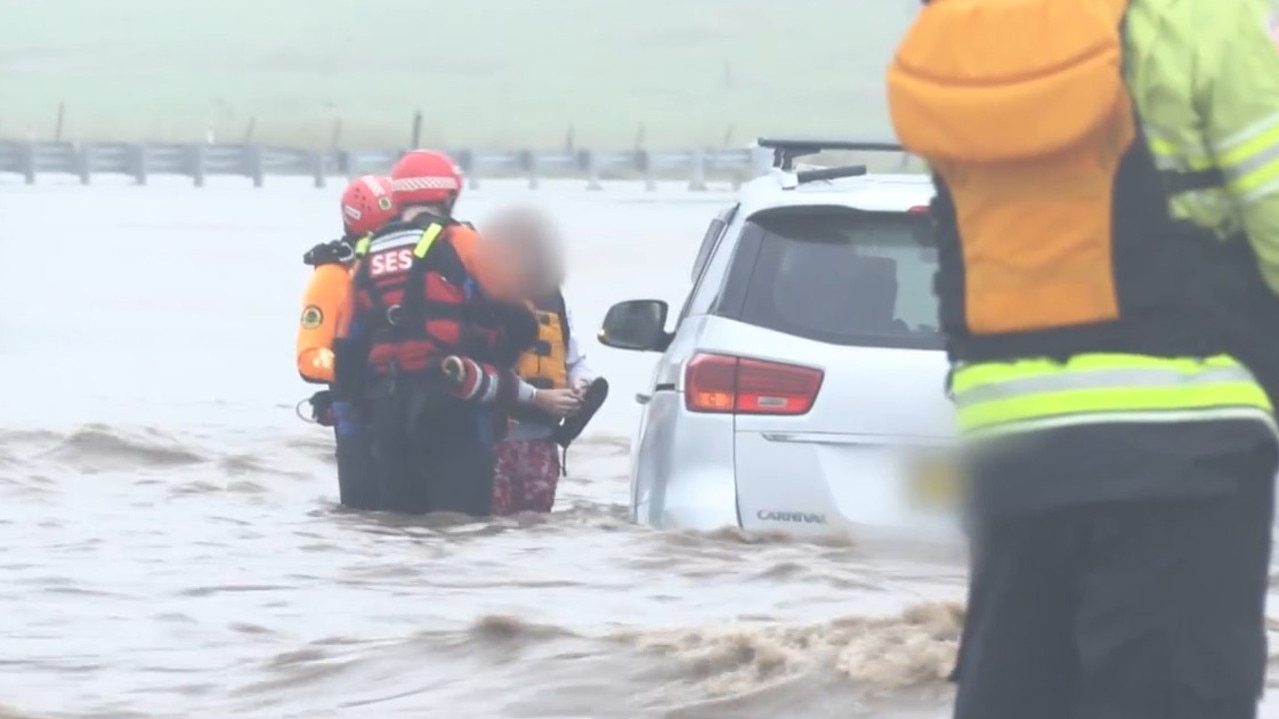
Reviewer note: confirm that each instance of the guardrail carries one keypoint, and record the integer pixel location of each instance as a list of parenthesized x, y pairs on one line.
[(199, 161)]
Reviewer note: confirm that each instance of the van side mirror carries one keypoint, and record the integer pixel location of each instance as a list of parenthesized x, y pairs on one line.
[(638, 325)]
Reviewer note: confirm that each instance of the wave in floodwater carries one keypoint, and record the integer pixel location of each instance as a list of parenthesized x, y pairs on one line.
[(512, 663), (242, 645), (504, 666)]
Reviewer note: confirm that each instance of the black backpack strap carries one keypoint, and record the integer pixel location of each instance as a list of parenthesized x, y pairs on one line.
[(1179, 181)]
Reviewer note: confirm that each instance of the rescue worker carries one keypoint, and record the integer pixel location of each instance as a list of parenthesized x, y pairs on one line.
[(445, 331), (553, 372), (1098, 165), (366, 204)]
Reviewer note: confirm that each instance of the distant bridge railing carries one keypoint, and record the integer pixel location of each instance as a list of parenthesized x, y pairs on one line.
[(199, 161)]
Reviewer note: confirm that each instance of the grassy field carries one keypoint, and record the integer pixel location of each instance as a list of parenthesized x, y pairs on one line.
[(496, 73)]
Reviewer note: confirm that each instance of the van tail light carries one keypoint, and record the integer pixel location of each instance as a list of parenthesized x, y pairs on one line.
[(735, 385)]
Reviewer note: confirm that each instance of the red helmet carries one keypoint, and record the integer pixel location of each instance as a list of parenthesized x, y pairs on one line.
[(424, 177), (367, 204)]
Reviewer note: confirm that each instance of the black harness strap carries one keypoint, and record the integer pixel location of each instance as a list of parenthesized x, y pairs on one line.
[(1179, 181)]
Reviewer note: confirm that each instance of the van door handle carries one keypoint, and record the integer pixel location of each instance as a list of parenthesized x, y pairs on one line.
[(643, 398)]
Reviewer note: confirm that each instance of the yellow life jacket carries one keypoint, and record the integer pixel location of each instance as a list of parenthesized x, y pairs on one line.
[(545, 365)]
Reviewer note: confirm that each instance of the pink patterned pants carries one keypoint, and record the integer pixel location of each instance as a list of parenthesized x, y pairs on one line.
[(527, 475)]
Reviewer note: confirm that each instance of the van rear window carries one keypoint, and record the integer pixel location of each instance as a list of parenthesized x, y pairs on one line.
[(840, 276)]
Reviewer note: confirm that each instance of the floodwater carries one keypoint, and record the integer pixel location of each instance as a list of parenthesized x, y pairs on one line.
[(172, 546)]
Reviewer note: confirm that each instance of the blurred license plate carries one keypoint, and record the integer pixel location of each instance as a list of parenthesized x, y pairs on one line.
[(934, 484)]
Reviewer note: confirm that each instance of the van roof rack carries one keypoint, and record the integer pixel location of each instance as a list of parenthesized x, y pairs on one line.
[(785, 150)]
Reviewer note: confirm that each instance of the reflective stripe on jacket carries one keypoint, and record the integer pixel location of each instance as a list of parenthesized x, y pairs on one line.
[(1205, 77), (1026, 395)]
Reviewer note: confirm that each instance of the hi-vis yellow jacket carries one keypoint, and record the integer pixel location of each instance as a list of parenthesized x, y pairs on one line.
[(1205, 77)]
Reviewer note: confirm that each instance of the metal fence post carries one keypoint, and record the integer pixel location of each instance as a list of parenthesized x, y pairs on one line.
[(593, 171), (472, 178), (316, 158), (84, 162), (469, 166), (697, 172), (138, 162), (253, 164), (195, 162), (533, 164), (650, 172), (761, 161), (27, 161)]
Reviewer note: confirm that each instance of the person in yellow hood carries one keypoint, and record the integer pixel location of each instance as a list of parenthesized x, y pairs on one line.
[(555, 393), (1107, 212)]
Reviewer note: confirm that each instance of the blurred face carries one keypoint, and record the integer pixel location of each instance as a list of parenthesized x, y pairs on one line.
[(524, 245), (504, 267)]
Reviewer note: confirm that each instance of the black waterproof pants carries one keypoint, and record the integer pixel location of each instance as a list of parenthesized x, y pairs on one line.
[(357, 481), (430, 452), (1122, 610)]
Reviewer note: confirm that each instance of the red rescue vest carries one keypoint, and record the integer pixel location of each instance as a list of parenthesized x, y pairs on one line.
[(418, 302)]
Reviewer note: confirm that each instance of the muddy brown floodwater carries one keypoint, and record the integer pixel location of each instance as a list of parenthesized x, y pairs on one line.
[(171, 545)]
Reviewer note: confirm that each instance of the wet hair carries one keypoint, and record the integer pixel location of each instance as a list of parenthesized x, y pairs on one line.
[(443, 208)]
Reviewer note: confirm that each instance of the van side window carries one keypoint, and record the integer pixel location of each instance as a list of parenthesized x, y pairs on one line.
[(714, 233)]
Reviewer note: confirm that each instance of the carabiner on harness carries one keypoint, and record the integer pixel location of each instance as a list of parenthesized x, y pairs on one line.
[(321, 409), (297, 409)]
